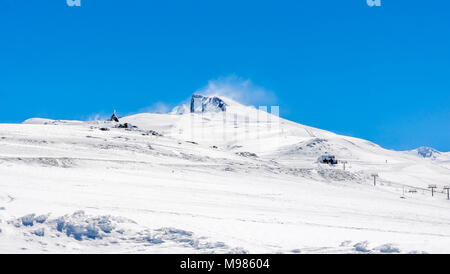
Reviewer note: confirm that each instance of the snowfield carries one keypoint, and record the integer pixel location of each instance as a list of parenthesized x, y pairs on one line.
[(234, 181)]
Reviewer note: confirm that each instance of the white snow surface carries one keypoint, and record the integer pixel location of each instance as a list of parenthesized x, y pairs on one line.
[(240, 181)]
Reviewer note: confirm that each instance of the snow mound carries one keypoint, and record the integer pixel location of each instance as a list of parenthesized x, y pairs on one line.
[(79, 225), (31, 219), (363, 247), (181, 109), (316, 147), (43, 121), (39, 121), (387, 248), (90, 231)]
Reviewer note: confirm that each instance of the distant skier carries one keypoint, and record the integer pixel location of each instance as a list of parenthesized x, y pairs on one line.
[(114, 117)]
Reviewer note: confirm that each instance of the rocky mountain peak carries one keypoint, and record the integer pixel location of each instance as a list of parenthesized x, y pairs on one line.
[(201, 103)]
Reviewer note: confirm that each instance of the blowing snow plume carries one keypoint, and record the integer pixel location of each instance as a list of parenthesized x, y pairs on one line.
[(239, 89)]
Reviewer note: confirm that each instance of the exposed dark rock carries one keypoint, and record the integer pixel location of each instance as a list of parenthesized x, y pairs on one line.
[(114, 117), (152, 132), (126, 125), (246, 154), (192, 142)]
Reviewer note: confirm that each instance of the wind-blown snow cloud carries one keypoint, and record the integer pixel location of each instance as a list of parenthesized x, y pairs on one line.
[(158, 107), (98, 117), (239, 89), (233, 87)]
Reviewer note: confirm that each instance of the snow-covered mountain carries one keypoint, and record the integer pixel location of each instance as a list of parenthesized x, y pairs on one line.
[(214, 176), (427, 152), (441, 158)]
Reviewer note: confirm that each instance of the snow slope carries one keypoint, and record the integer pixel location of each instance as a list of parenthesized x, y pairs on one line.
[(232, 181)]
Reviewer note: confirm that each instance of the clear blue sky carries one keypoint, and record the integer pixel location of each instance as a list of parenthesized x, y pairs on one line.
[(380, 73)]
